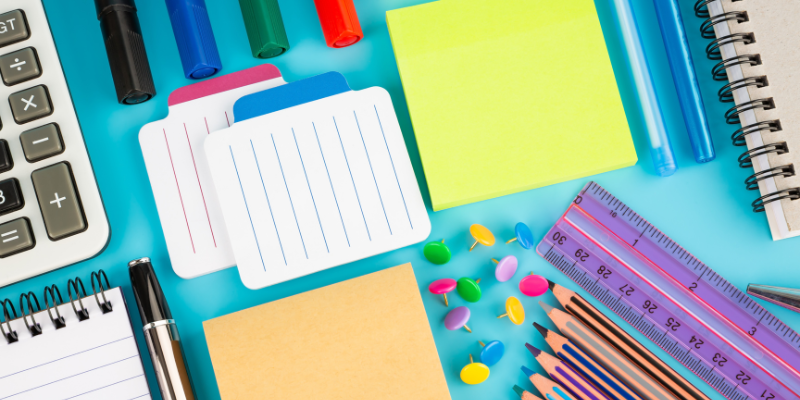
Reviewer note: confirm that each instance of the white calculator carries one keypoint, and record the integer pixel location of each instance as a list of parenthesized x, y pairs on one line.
[(51, 213)]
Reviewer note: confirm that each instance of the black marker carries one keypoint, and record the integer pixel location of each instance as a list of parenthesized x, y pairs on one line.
[(160, 333), (125, 47)]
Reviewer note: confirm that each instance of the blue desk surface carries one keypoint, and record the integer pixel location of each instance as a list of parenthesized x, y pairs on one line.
[(703, 207)]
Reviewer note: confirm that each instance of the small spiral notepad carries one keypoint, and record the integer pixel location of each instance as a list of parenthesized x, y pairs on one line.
[(85, 351)]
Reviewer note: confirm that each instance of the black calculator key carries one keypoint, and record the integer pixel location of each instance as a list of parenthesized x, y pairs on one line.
[(6, 163), (15, 237), (61, 207), (13, 28), (30, 104), (10, 196), (19, 66)]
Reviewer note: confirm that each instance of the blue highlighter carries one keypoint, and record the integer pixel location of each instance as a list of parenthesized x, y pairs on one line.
[(196, 44)]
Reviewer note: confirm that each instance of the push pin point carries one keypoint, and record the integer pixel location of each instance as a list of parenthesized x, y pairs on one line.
[(443, 287), (482, 235)]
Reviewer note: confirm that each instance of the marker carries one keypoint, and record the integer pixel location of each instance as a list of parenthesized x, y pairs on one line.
[(160, 332), (660, 147), (685, 77), (264, 25), (125, 47), (784, 297), (566, 376), (587, 314), (607, 356), (339, 22), (195, 38), (590, 369), (548, 388)]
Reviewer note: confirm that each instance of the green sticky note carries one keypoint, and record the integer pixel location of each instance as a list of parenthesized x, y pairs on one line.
[(507, 96)]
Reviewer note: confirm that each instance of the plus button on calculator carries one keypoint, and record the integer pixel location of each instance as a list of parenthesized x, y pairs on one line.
[(51, 213)]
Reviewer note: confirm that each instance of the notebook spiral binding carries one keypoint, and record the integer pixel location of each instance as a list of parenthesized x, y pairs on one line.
[(29, 305), (732, 116)]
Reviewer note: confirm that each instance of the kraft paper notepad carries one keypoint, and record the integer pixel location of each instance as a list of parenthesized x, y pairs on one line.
[(365, 338), (507, 96)]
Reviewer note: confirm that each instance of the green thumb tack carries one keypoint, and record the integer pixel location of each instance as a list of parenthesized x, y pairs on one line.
[(437, 252), (469, 290), (262, 19)]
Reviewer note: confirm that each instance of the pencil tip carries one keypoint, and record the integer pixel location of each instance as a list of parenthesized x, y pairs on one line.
[(519, 391), (527, 371), (541, 329), (551, 284), (533, 350), (547, 307)]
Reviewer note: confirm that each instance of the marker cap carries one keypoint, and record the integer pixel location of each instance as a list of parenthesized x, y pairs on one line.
[(196, 44), (339, 22), (265, 30)]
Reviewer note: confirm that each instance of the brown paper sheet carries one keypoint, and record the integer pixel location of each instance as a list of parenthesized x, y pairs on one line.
[(365, 338)]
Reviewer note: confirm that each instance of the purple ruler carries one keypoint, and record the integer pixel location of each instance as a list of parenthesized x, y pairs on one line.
[(682, 305)]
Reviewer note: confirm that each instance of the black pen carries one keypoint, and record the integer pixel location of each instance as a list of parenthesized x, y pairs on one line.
[(160, 333)]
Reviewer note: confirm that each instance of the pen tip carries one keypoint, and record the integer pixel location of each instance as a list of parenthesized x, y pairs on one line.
[(541, 329), (533, 350), (547, 307), (527, 371), (551, 284), (519, 391)]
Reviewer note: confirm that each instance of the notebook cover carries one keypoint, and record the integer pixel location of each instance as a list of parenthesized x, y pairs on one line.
[(508, 96), (774, 25), (365, 338)]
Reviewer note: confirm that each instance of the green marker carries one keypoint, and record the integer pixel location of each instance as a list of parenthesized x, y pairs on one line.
[(437, 252), (262, 19)]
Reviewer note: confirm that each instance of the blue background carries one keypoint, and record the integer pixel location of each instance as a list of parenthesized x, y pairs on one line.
[(704, 207)]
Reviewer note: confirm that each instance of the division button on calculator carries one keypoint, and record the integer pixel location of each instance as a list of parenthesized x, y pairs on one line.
[(41, 143), (13, 28), (58, 199), (20, 66), (30, 104), (10, 196), (15, 237), (6, 163)]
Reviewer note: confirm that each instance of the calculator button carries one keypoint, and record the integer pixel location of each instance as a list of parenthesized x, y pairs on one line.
[(6, 163), (15, 237), (10, 196), (30, 104), (13, 28), (58, 200), (41, 143), (19, 66)]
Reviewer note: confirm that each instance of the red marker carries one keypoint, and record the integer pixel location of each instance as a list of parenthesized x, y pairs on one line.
[(339, 22)]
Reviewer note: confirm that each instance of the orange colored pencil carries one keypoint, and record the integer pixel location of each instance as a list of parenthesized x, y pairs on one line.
[(607, 356), (566, 376), (584, 312), (524, 394)]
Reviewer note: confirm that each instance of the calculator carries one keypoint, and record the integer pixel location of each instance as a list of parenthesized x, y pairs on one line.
[(51, 213)]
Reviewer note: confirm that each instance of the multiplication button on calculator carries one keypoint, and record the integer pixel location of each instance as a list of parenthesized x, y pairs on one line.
[(51, 213)]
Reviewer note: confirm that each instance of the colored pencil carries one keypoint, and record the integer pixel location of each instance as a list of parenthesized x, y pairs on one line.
[(524, 394), (607, 356), (584, 312), (590, 369), (548, 388), (566, 376)]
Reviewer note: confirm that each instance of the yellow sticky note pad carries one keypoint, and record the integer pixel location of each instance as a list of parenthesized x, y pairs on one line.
[(366, 338), (508, 95)]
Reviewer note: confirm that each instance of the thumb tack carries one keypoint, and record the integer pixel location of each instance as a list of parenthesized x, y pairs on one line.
[(443, 287), (474, 373), (533, 285), (457, 318), (492, 352), (506, 268), (514, 311), (469, 289), (481, 235), (523, 235), (437, 252)]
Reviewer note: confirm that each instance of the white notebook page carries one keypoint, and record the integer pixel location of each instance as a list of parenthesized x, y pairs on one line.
[(92, 359)]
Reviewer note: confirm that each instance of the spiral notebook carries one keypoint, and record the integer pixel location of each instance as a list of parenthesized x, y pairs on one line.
[(754, 42), (82, 349)]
